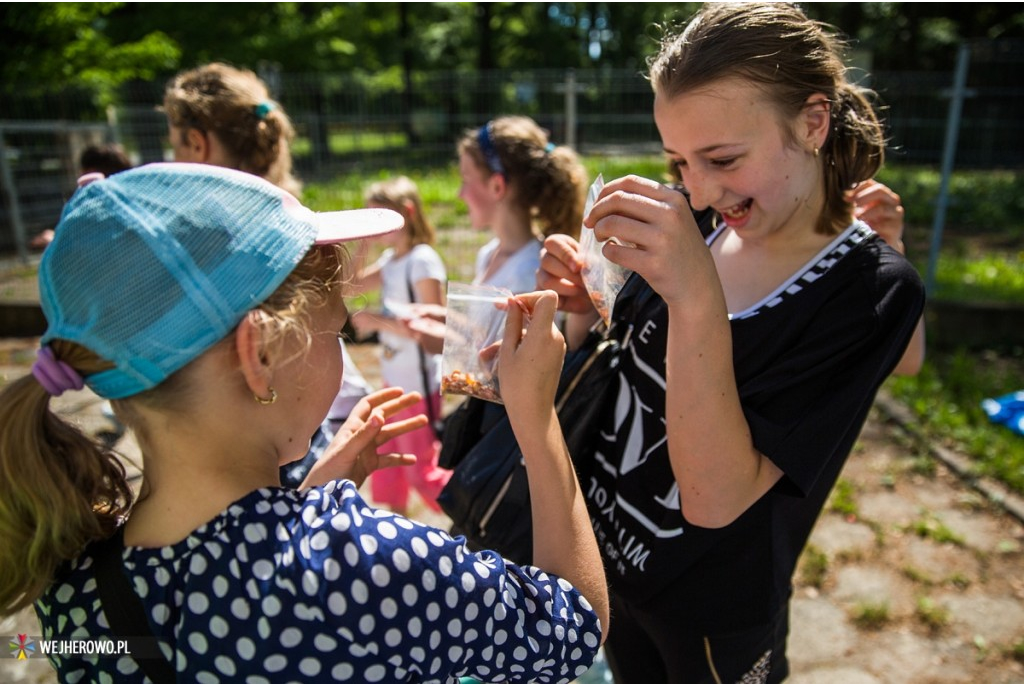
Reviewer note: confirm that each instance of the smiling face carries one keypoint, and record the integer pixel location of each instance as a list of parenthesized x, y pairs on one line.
[(734, 155)]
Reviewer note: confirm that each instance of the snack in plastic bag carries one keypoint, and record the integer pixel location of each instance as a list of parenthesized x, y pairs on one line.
[(475, 321), (602, 277)]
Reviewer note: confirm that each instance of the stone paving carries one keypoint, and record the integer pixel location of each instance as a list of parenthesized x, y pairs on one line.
[(911, 575)]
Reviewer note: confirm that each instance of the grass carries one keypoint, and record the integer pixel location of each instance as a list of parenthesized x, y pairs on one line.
[(813, 566), (980, 277), (347, 141), (946, 397), (19, 283), (1017, 651), (932, 528), (934, 616), (871, 615), (843, 499)]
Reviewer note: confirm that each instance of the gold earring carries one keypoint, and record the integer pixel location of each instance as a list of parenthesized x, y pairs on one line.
[(815, 152), (266, 400)]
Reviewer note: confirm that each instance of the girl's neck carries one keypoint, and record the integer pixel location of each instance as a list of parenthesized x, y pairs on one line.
[(403, 247), (176, 501), (513, 229)]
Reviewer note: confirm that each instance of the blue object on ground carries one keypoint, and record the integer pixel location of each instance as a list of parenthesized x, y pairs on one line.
[(1007, 410)]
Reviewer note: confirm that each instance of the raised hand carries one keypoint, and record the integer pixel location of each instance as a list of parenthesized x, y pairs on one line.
[(352, 453), (879, 207)]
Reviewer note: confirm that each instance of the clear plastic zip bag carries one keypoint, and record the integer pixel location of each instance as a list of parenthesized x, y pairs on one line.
[(602, 277), (474, 327)]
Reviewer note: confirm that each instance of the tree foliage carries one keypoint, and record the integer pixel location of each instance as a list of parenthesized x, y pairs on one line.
[(53, 45), (100, 45)]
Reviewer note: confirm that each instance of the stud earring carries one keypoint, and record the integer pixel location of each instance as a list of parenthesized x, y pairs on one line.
[(266, 400), (815, 152)]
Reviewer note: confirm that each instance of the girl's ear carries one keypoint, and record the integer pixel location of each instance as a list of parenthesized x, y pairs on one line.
[(816, 121), (198, 144), (252, 360), (498, 185)]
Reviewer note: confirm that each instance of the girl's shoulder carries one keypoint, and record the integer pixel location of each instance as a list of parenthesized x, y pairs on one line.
[(424, 252)]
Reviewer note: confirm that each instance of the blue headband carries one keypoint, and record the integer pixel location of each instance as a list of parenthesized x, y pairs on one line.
[(487, 147)]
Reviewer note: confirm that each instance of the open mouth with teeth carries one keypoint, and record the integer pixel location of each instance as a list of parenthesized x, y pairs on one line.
[(737, 212)]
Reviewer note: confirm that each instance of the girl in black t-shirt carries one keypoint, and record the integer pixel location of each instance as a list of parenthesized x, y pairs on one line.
[(744, 384)]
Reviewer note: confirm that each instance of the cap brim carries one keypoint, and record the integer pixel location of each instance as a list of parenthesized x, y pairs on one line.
[(353, 224)]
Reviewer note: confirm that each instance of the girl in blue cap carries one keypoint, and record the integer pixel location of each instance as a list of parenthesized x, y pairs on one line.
[(221, 115), (222, 313)]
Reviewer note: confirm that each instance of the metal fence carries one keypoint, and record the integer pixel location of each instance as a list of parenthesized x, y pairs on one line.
[(347, 123)]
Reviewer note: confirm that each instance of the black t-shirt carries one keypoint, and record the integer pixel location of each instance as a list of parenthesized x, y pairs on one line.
[(808, 361)]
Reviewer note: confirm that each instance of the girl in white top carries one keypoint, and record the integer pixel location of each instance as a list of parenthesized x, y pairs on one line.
[(523, 188), (408, 271)]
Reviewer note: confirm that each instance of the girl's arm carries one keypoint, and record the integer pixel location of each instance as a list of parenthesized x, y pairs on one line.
[(429, 291), (366, 277), (529, 362), (367, 322), (719, 470)]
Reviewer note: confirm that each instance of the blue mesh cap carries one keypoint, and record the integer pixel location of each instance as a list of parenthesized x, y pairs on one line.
[(150, 267)]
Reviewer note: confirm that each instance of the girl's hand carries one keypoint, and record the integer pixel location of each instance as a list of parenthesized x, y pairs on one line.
[(352, 453), (531, 354), (425, 324), (426, 331), (560, 266), (879, 207), (427, 310), (667, 247)]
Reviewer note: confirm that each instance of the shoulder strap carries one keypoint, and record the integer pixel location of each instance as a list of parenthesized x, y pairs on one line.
[(423, 362), (124, 610)]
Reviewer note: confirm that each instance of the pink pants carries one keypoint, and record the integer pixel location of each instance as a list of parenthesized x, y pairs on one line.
[(390, 487)]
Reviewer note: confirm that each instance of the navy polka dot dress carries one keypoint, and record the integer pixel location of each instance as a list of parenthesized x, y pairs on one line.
[(314, 585)]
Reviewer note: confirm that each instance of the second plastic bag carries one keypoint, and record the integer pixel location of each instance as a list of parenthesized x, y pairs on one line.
[(475, 322), (602, 277)]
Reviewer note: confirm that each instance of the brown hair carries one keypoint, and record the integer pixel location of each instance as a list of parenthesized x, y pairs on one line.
[(549, 179), (790, 57), (107, 159), (401, 194), (60, 489), (235, 106)]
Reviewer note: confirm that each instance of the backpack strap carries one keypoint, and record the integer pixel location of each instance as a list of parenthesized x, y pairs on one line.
[(435, 421), (124, 610)]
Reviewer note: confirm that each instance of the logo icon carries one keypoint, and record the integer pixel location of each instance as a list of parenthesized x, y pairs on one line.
[(23, 647)]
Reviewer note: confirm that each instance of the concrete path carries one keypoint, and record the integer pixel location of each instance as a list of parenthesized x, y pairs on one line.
[(911, 576)]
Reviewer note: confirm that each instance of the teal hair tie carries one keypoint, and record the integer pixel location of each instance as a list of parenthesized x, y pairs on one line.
[(264, 108), (549, 148)]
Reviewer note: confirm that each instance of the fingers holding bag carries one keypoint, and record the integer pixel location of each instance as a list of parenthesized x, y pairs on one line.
[(531, 353)]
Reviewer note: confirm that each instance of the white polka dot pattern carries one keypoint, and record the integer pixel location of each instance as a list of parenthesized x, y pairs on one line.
[(314, 585)]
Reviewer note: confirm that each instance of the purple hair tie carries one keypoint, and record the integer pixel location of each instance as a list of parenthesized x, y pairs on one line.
[(54, 375)]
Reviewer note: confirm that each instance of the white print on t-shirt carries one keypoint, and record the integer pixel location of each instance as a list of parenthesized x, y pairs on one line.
[(614, 515)]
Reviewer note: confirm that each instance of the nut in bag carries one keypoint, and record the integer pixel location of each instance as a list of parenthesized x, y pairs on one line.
[(475, 321), (602, 277)]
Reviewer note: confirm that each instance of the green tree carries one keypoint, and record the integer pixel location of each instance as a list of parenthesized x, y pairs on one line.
[(54, 45)]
